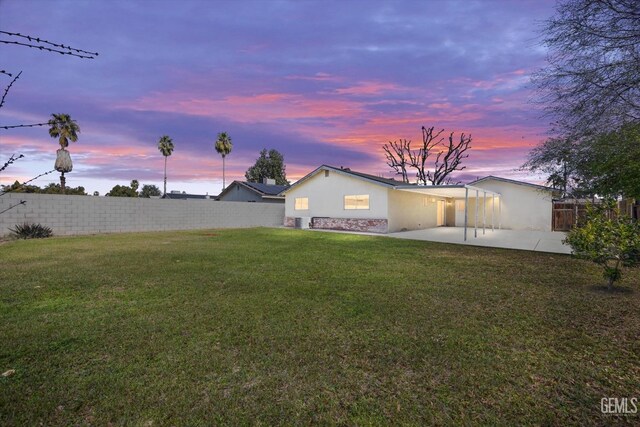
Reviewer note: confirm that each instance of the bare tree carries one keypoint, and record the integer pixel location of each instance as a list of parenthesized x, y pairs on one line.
[(448, 158), (592, 80), (397, 154)]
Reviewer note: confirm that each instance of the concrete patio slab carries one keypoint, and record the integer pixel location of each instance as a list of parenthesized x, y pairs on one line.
[(539, 241)]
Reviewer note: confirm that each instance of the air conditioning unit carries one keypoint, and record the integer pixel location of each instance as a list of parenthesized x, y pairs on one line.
[(303, 222)]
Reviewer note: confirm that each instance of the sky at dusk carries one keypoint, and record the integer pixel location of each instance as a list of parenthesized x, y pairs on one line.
[(322, 82)]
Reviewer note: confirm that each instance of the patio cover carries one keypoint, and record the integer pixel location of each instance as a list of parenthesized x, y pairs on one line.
[(462, 192)]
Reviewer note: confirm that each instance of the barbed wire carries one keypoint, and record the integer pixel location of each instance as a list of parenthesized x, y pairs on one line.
[(21, 202), (47, 49), (6, 91), (5, 72), (67, 50), (24, 126), (11, 160), (3, 192)]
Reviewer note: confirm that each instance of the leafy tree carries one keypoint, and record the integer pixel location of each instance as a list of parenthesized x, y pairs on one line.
[(124, 191), (592, 81), (52, 188), (269, 165), (223, 147), (57, 189), (558, 159), (611, 165), (165, 145), (150, 190), (61, 126), (607, 238), (606, 165)]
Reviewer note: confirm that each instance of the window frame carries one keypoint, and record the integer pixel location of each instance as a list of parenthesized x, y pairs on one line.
[(357, 206), (295, 204)]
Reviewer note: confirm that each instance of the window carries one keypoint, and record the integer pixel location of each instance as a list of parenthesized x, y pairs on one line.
[(360, 201), (326, 174), (301, 204)]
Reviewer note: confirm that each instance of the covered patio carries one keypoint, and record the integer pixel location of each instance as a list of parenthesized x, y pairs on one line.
[(482, 220)]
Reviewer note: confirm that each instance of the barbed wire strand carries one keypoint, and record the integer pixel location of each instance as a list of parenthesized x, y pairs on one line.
[(47, 49), (39, 40), (25, 183), (5, 72), (24, 126), (6, 91), (21, 202), (11, 160)]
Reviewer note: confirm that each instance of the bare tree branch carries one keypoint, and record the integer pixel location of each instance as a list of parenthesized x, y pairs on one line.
[(454, 154), (592, 81), (397, 154)]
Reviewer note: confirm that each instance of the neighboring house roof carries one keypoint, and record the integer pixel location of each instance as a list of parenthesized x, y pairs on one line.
[(512, 181), (184, 196), (268, 191), (265, 189)]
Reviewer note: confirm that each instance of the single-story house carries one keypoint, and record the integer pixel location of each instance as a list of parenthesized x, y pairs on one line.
[(244, 191), (342, 199)]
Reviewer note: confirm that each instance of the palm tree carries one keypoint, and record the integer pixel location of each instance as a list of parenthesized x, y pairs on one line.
[(165, 145), (223, 147), (65, 129)]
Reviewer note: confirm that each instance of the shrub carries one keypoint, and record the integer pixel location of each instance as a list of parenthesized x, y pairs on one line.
[(608, 238), (31, 231)]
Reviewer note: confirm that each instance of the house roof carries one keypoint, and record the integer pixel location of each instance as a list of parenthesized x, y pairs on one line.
[(263, 190), (512, 181), (449, 190), (346, 171), (266, 189)]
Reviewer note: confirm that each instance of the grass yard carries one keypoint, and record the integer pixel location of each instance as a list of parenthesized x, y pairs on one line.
[(275, 326)]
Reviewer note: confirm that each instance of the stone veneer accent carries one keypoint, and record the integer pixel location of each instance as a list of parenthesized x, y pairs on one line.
[(351, 224), (289, 221)]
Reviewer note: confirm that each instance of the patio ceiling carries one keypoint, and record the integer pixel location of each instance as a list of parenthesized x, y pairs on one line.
[(447, 191)]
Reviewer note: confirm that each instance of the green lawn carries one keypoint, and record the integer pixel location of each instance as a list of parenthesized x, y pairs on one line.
[(275, 326)]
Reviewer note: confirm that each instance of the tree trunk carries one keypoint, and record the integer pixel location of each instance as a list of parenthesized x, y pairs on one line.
[(63, 180), (223, 178), (165, 176)]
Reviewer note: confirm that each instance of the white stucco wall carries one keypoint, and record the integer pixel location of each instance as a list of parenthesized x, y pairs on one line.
[(522, 207), (326, 197), (408, 211)]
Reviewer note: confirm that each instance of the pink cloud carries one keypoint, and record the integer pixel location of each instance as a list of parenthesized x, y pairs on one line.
[(369, 88)]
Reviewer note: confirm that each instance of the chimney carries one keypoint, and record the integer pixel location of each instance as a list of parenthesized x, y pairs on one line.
[(268, 181)]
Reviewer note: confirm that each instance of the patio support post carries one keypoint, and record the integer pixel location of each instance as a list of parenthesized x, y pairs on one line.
[(484, 212), (493, 210), (475, 225), (466, 211), (500, 212)]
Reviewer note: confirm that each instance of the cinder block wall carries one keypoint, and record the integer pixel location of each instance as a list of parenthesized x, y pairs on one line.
[(67, 215)]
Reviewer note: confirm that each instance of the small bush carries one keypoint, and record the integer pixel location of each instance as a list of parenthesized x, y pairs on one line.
[(607, 238), (31, 231)]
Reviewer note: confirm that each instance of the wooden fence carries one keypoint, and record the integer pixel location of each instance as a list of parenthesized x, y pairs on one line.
[(567, 213)]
